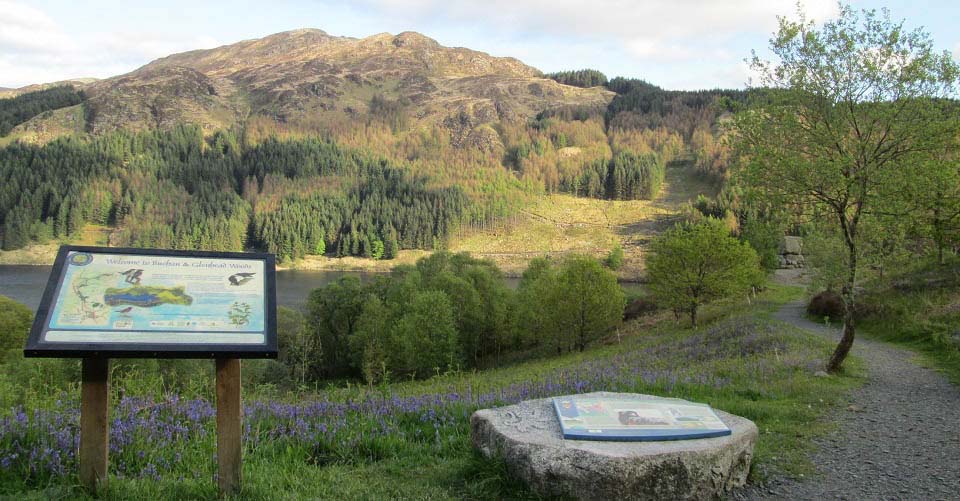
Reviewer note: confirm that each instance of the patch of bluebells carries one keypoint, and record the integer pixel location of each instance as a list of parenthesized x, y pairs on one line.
[(152, 437)]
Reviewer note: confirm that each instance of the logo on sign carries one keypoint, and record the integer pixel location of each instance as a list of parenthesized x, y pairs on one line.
[(81, 258)]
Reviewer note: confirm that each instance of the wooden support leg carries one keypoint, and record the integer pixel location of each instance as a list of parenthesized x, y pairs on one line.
[(94, 427), (229, 424)]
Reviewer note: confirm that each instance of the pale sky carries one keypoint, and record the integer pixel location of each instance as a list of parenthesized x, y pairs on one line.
[(677, 44)]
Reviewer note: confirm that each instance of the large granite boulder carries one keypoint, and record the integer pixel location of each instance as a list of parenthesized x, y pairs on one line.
[(791, 253), (527, 437), (791, 245), (792, 261)]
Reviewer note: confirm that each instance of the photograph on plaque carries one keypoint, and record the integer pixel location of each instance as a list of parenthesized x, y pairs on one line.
[(138, 300), (636, 419)]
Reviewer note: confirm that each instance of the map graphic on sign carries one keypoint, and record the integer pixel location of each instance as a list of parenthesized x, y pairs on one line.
[(136, 298), (636, 418)]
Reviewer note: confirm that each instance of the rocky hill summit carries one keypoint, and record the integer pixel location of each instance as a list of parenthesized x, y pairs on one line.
[(310, 77)]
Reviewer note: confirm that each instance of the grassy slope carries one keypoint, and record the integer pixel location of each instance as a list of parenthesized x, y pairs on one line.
[(68, 121), (92, 234), (741, 362), (560, 224), (919, 308)]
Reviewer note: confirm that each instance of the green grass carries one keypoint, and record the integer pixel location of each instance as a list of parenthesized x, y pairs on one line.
[(559, 224), (919, 309), (739, 361)]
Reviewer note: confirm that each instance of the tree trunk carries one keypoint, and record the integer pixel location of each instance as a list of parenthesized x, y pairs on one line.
[(940, 244), (938, 234), (848, 293), (693, 316), (583, 331), (843, 348)]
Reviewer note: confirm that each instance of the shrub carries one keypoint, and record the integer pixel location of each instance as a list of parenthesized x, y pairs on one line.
[(765, 238), (614, 259), (826, 304), (638, 308), (15, 320), (587, 302)]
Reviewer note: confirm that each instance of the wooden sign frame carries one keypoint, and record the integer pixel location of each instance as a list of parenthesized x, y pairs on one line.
[(95, 394)]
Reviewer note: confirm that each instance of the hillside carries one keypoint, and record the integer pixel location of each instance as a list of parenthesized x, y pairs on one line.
[(307, 77), (559, 225), (303, 143)]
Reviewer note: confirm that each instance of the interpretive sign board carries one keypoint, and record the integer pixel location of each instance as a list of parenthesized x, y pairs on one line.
[(636, 419), (113, 302)]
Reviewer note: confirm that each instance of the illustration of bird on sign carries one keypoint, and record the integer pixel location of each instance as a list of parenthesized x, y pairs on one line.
[(240, 278)]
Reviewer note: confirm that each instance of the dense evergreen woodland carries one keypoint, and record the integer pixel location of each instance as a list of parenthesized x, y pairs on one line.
[(176, 189), (15, 111), (579, 78)]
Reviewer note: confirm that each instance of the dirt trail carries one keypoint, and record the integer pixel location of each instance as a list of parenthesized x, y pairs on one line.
[(899, 437)]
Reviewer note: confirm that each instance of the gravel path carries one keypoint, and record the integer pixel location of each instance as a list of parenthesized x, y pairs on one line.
[(898, 439)]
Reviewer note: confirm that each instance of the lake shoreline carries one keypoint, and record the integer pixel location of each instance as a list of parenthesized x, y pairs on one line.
[(44, 255)]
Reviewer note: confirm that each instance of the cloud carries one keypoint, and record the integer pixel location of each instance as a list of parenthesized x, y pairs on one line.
[(685, 44), (733, 75), (25, 28), (148, 46), (34, 48), (665, 40), (649, 30)]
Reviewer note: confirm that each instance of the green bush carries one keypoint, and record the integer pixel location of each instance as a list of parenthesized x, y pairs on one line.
[(765, 238), (614, 259), (15, 322), (452, 311), (639, 307), (827, 304)]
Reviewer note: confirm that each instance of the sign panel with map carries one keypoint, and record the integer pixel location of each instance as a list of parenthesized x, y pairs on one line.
[(157, 303), (636, 419)]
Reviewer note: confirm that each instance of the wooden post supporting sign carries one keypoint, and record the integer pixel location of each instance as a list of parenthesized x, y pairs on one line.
[(229, 430), (94, 426)]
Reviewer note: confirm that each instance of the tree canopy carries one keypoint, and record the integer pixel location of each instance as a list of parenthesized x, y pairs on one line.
[(853, 107), (579, 78), (453, 311), (696, 263), (177, 189)]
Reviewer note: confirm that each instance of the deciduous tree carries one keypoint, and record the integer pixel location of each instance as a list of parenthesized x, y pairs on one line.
[(852, 107), (587, 302), (696, 263)]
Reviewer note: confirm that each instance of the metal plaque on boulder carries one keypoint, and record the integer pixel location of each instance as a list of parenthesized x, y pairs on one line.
[(110, 302), (626, 418)]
